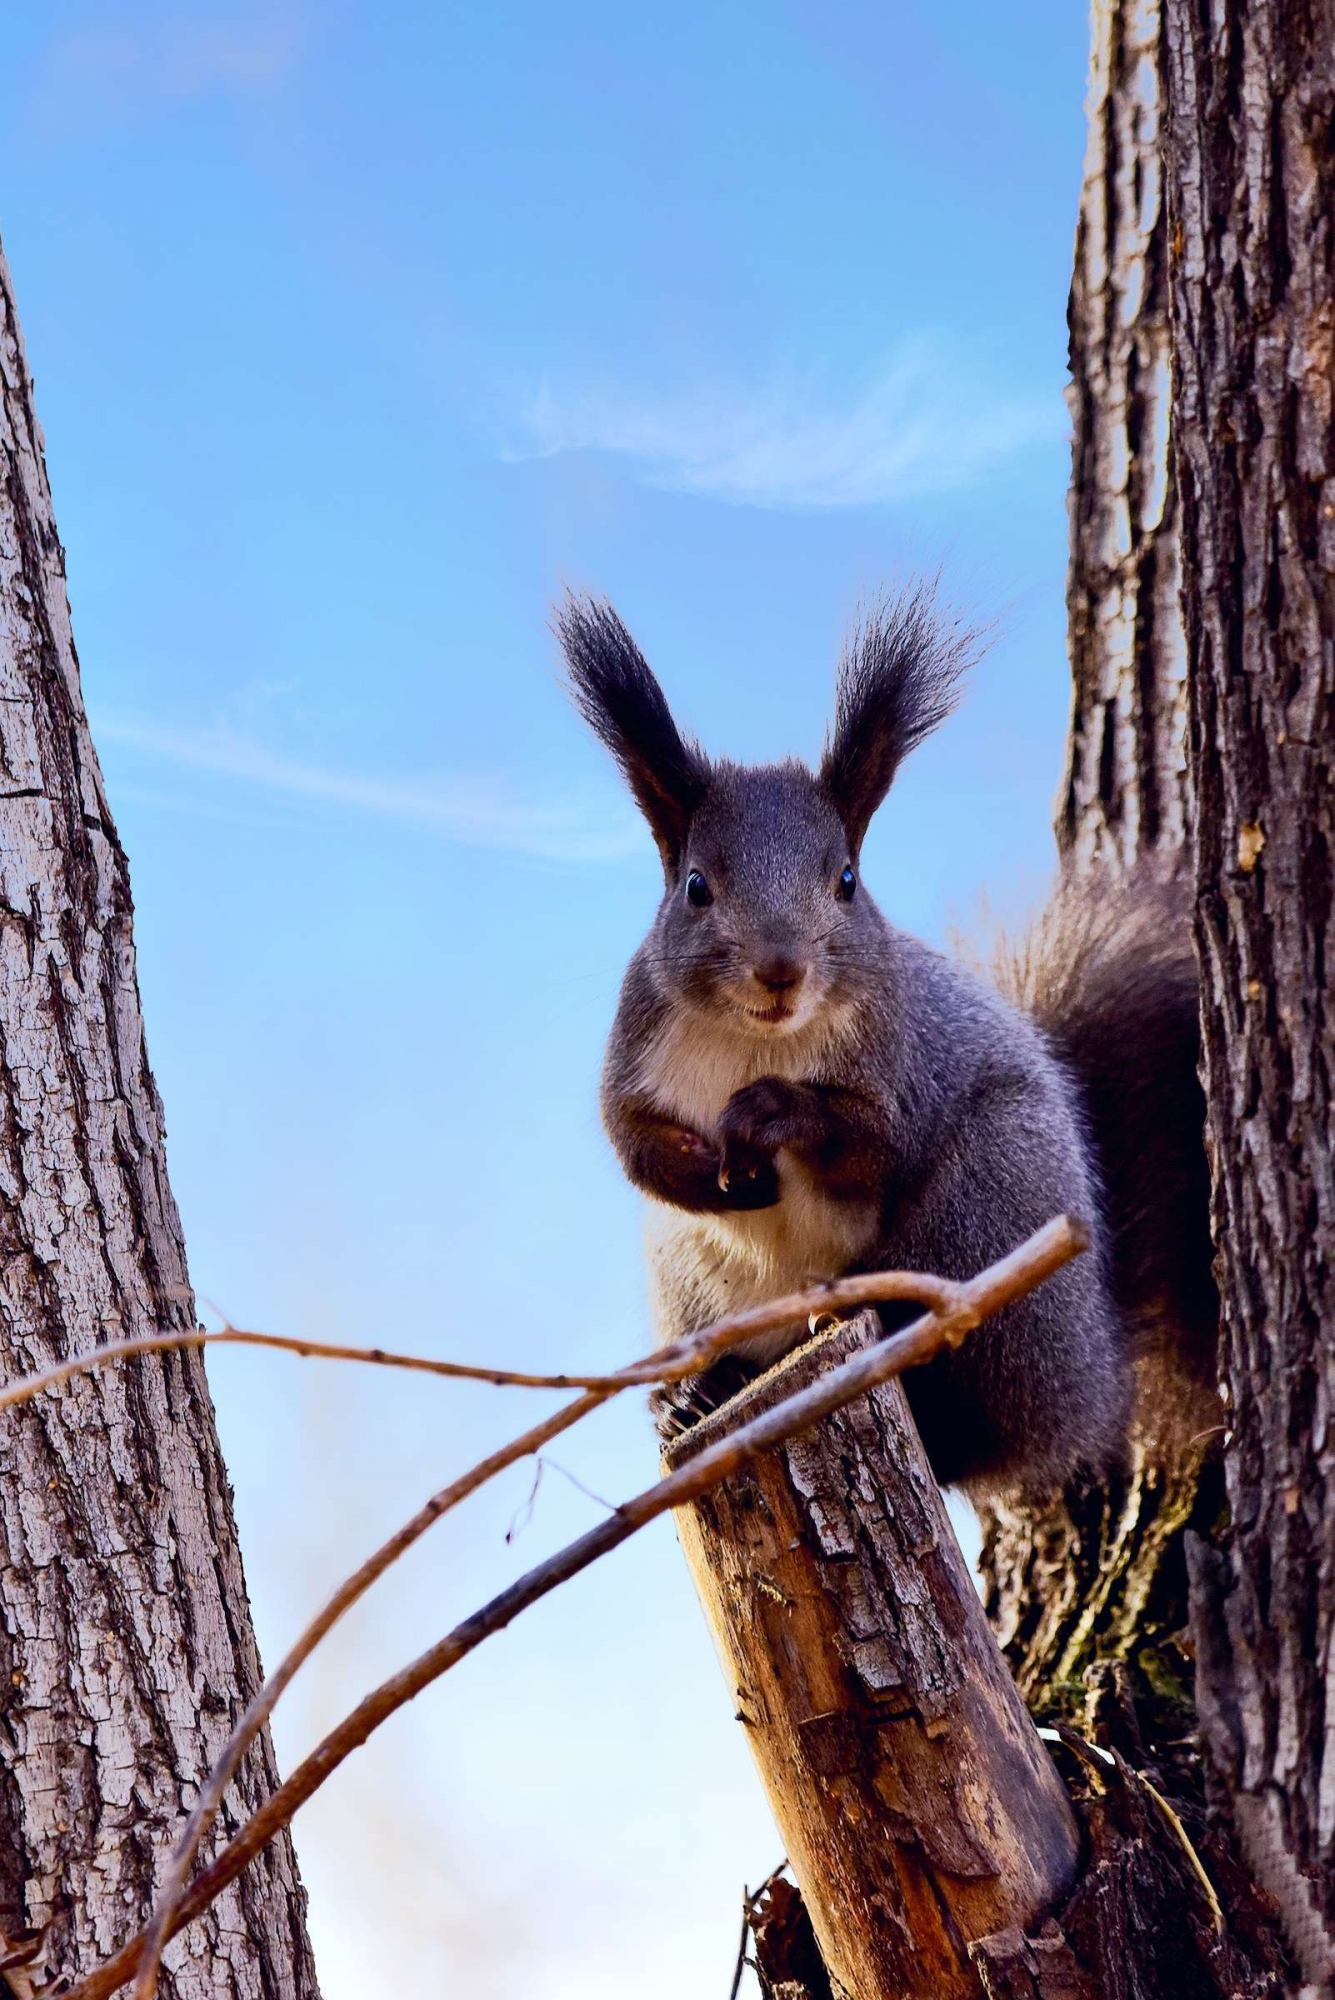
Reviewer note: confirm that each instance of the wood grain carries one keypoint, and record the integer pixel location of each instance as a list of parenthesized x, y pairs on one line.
[(920, 1810)]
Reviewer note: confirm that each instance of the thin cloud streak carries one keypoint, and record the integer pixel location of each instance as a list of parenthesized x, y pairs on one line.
[(929, 423), (113, 64), (478, 810)]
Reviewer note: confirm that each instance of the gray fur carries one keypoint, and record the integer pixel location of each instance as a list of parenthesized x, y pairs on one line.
[(803, 1090)]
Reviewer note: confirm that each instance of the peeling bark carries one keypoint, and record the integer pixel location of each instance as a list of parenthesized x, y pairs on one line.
[(126, 1648), (1251, 177), (787, 1960), (919, 1809), (1014, 1967)]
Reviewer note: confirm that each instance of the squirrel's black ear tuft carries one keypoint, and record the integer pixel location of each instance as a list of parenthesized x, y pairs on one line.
[(898, 679), (621, 701)]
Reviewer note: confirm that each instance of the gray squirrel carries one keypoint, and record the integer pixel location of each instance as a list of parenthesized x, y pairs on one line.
[(803, 1090)]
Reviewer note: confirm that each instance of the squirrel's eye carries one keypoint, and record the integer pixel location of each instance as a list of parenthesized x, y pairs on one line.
[(846, 885), (698, 892)]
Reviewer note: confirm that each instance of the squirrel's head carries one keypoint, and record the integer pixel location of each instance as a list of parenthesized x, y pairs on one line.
[(764, 921)]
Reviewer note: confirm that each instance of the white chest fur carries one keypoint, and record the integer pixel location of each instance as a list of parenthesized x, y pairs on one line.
[(707, 1265), (693, 1066)]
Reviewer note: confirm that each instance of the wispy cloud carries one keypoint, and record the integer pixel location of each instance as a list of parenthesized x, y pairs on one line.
[(117, 58), (477, 809), (931, 421)]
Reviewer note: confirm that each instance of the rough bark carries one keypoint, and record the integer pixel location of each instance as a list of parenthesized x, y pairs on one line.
[(1251, 174), (1125, 788), (1091, 1590), (126, 1647), (1147, 1919), (1088, 1595), (920, 1811)]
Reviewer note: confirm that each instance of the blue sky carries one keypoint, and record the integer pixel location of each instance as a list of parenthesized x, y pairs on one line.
[(357, 332)]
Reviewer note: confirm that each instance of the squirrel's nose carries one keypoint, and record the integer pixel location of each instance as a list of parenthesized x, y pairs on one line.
[(779, 975)]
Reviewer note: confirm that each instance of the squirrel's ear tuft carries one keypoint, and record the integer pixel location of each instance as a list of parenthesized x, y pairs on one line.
[(623, 704), (898, 679)]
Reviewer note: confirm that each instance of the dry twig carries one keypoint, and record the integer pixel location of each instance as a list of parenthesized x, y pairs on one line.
[(168, 1341), (671, 1364), (160, 1926), (956, 1309)]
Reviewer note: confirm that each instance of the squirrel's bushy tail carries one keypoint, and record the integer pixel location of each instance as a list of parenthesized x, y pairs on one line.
[(1109, 973)]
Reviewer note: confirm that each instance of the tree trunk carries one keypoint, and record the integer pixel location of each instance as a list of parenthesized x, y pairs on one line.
[(1251, 175), (1093, 1592), (919, 1809), (126, 1650), (1125, 788), (1089, 1594)]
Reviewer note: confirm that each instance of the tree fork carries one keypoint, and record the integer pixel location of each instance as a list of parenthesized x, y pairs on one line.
[(921, 1811)]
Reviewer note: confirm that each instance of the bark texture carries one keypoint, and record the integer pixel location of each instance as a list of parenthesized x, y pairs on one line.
[(1090, 1592), (1251, 174), (1088, 1595), (1125, 788), (920, 1811), (126, 1648), (785, 1955)]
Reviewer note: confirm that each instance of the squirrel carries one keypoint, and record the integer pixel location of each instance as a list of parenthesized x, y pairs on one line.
[(803, 1090)]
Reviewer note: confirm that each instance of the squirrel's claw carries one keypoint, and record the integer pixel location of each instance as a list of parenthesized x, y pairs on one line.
[(747, 1176)]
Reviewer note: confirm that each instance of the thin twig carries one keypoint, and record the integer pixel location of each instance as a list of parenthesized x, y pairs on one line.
[(523, 1514), (961, 1308), (671, 1364), (695, 1351), (751, 1897), (740, 1967), (683, 1358), (165, 1342), (1196, 1864)]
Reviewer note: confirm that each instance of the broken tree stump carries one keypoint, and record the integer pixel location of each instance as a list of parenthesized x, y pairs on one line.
[(920, 1810)]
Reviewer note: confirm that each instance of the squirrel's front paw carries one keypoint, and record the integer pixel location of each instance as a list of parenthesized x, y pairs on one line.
[(764, 1115), (757, 1120)]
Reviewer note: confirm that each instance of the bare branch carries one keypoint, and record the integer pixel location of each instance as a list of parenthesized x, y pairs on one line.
[(959, 1308), (168, 1341), (160, 1926), (684, 1358), (671, 1364)]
